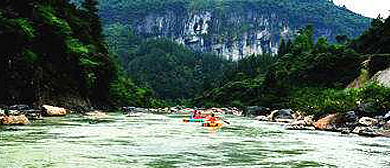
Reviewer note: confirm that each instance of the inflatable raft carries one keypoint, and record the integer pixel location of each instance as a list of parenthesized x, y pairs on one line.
[(207, 124)]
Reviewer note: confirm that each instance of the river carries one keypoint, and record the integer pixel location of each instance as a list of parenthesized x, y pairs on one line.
[(152, 140)]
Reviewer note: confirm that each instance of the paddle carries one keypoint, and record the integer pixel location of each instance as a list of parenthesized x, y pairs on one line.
[(227, 122)]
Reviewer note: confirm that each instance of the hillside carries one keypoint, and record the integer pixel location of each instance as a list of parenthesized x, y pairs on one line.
[(234, 28), (53, 52)]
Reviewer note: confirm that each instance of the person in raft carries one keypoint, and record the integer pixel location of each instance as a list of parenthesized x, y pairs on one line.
[(196, 114), (212, 118)]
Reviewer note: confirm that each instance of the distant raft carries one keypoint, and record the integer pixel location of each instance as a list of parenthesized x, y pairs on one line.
[(207, 124)]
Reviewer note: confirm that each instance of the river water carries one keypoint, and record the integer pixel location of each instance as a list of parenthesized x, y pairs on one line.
[(152, 140)]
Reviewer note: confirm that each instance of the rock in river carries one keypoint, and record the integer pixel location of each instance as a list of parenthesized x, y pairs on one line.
[(281, 114), (326, 123), (14, 120), (53, 111)]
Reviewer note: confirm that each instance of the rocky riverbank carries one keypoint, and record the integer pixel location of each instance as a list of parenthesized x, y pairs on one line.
[(345, 123), (23, 114)]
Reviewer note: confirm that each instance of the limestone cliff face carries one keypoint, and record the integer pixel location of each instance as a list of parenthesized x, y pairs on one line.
[(236, 28), (202, 31)]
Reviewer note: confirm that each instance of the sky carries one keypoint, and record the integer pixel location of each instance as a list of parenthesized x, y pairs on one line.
[(369, 8)]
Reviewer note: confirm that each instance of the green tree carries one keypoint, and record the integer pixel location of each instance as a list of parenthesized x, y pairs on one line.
[(92, 14)]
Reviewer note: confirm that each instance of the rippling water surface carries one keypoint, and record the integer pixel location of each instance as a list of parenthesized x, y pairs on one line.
[(163, 141)]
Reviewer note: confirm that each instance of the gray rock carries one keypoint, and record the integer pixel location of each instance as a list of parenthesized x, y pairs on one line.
[(33, 114), (256, 111), (281, 114), (350, 116)]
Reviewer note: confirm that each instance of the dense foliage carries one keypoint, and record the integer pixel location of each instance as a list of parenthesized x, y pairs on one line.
[(241, 82), (173, 71), (53, 52), (376, 40)]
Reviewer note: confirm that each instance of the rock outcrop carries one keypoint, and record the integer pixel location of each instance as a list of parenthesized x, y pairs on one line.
[(326, 123), (284, 114), (53, 111), (14, 120), (256, 111)]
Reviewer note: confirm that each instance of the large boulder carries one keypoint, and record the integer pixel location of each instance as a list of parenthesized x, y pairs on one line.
[(14, 120), (281, 114), (326, 123), (256, 111), (53, 111), (367, 121)]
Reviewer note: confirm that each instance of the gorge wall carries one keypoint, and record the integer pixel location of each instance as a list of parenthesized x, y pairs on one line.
[(232, 29)]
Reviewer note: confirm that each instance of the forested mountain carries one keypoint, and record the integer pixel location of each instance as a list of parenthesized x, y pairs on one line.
[(234, 28), (228, 29), (173, 71), (53, 52)]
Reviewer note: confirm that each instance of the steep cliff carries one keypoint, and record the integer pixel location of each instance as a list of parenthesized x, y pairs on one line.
[(233, 28)]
